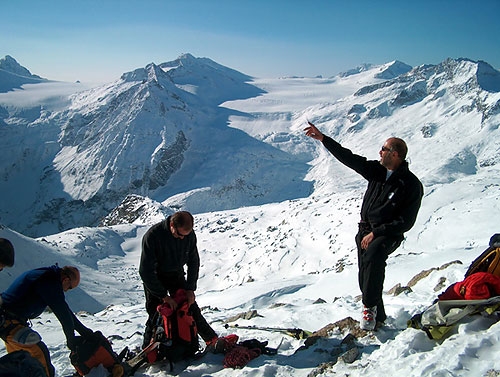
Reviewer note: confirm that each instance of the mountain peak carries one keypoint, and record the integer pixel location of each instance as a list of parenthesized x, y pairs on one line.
[(13, 75), (479, 74), (186, 57), (9, 64), (188, 61), (488, 77), (150, 73), (386, 71), (354, 71), (392, 70)]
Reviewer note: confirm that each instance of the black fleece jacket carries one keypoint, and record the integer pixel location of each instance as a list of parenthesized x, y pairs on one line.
[(164, 256), (390, 207)]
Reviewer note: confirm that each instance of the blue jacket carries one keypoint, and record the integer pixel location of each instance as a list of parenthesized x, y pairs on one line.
[(35, 290)]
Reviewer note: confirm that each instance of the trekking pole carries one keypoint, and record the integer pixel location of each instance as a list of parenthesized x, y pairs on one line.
[(293, 332)]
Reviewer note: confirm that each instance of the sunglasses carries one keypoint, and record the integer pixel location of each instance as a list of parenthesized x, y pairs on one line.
[(179, 234), (385, 149)]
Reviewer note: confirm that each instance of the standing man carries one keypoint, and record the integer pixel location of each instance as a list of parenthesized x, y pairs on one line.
[(166, 248), (27, 297), (389, 209)]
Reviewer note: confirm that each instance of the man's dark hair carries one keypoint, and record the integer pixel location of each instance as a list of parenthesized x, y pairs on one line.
[(6, 252), (183, 220), (399, 145)]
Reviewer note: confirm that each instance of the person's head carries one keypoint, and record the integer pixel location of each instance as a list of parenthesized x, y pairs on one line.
[(70, 277), (393, 153), (181, 224), (6, 253)]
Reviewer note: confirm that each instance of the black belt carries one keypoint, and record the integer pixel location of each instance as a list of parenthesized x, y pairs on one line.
[(364, 226)]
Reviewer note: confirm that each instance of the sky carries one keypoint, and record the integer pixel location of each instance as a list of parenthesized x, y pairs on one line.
[(98, 40)]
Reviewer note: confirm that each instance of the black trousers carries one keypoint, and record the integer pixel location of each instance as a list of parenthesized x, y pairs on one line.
[(152, 302), (371, 269)]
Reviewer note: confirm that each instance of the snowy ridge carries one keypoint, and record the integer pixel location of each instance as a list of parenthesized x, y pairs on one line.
[(145, 135)]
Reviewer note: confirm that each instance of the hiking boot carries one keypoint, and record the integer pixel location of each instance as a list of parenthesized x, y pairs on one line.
[(368, 321), (222, 344)]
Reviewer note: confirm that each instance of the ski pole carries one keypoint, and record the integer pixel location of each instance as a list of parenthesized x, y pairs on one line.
[(293, 332)]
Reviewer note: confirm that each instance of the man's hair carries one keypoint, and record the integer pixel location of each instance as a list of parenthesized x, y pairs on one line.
[(399, 145), (73, 273), (183, 220), (6, 252)]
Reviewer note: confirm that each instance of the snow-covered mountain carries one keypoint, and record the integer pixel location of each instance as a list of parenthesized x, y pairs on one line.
[(290, 258), (13, 75), (171, 132), (156, 132)]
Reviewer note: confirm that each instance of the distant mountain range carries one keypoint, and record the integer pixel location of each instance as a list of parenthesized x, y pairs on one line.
[(159, 138)]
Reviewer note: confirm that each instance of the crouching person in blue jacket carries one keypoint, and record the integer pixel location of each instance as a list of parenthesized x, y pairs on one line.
[(26, 298)]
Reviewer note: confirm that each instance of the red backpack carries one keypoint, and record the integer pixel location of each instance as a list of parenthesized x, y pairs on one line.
[(482, 279), (176, 332)]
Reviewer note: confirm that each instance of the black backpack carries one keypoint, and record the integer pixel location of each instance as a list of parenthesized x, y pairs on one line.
[(91, 351), (21, 364), (489, 260)]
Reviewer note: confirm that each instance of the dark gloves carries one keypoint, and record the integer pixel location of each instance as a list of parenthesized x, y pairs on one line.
[(74, 341), (85, 332)]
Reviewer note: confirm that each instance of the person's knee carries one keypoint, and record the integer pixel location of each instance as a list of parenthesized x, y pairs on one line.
[(37, 350), (26, 337)]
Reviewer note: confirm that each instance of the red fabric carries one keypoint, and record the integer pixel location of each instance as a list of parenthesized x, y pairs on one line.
[(179, 297), (152, 356), (228, 342), (477, 286), (450, 294), (231, 339), (239, 356)]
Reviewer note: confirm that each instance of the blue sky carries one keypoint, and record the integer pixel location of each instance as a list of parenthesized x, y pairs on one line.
[(98, 40)]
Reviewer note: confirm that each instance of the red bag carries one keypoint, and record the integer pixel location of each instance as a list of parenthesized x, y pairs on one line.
[(478, 286), (175, 330)]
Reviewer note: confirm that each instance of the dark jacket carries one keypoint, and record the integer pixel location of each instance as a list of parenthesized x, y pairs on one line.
[(33, 291), (164, 256), (389, 207)]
